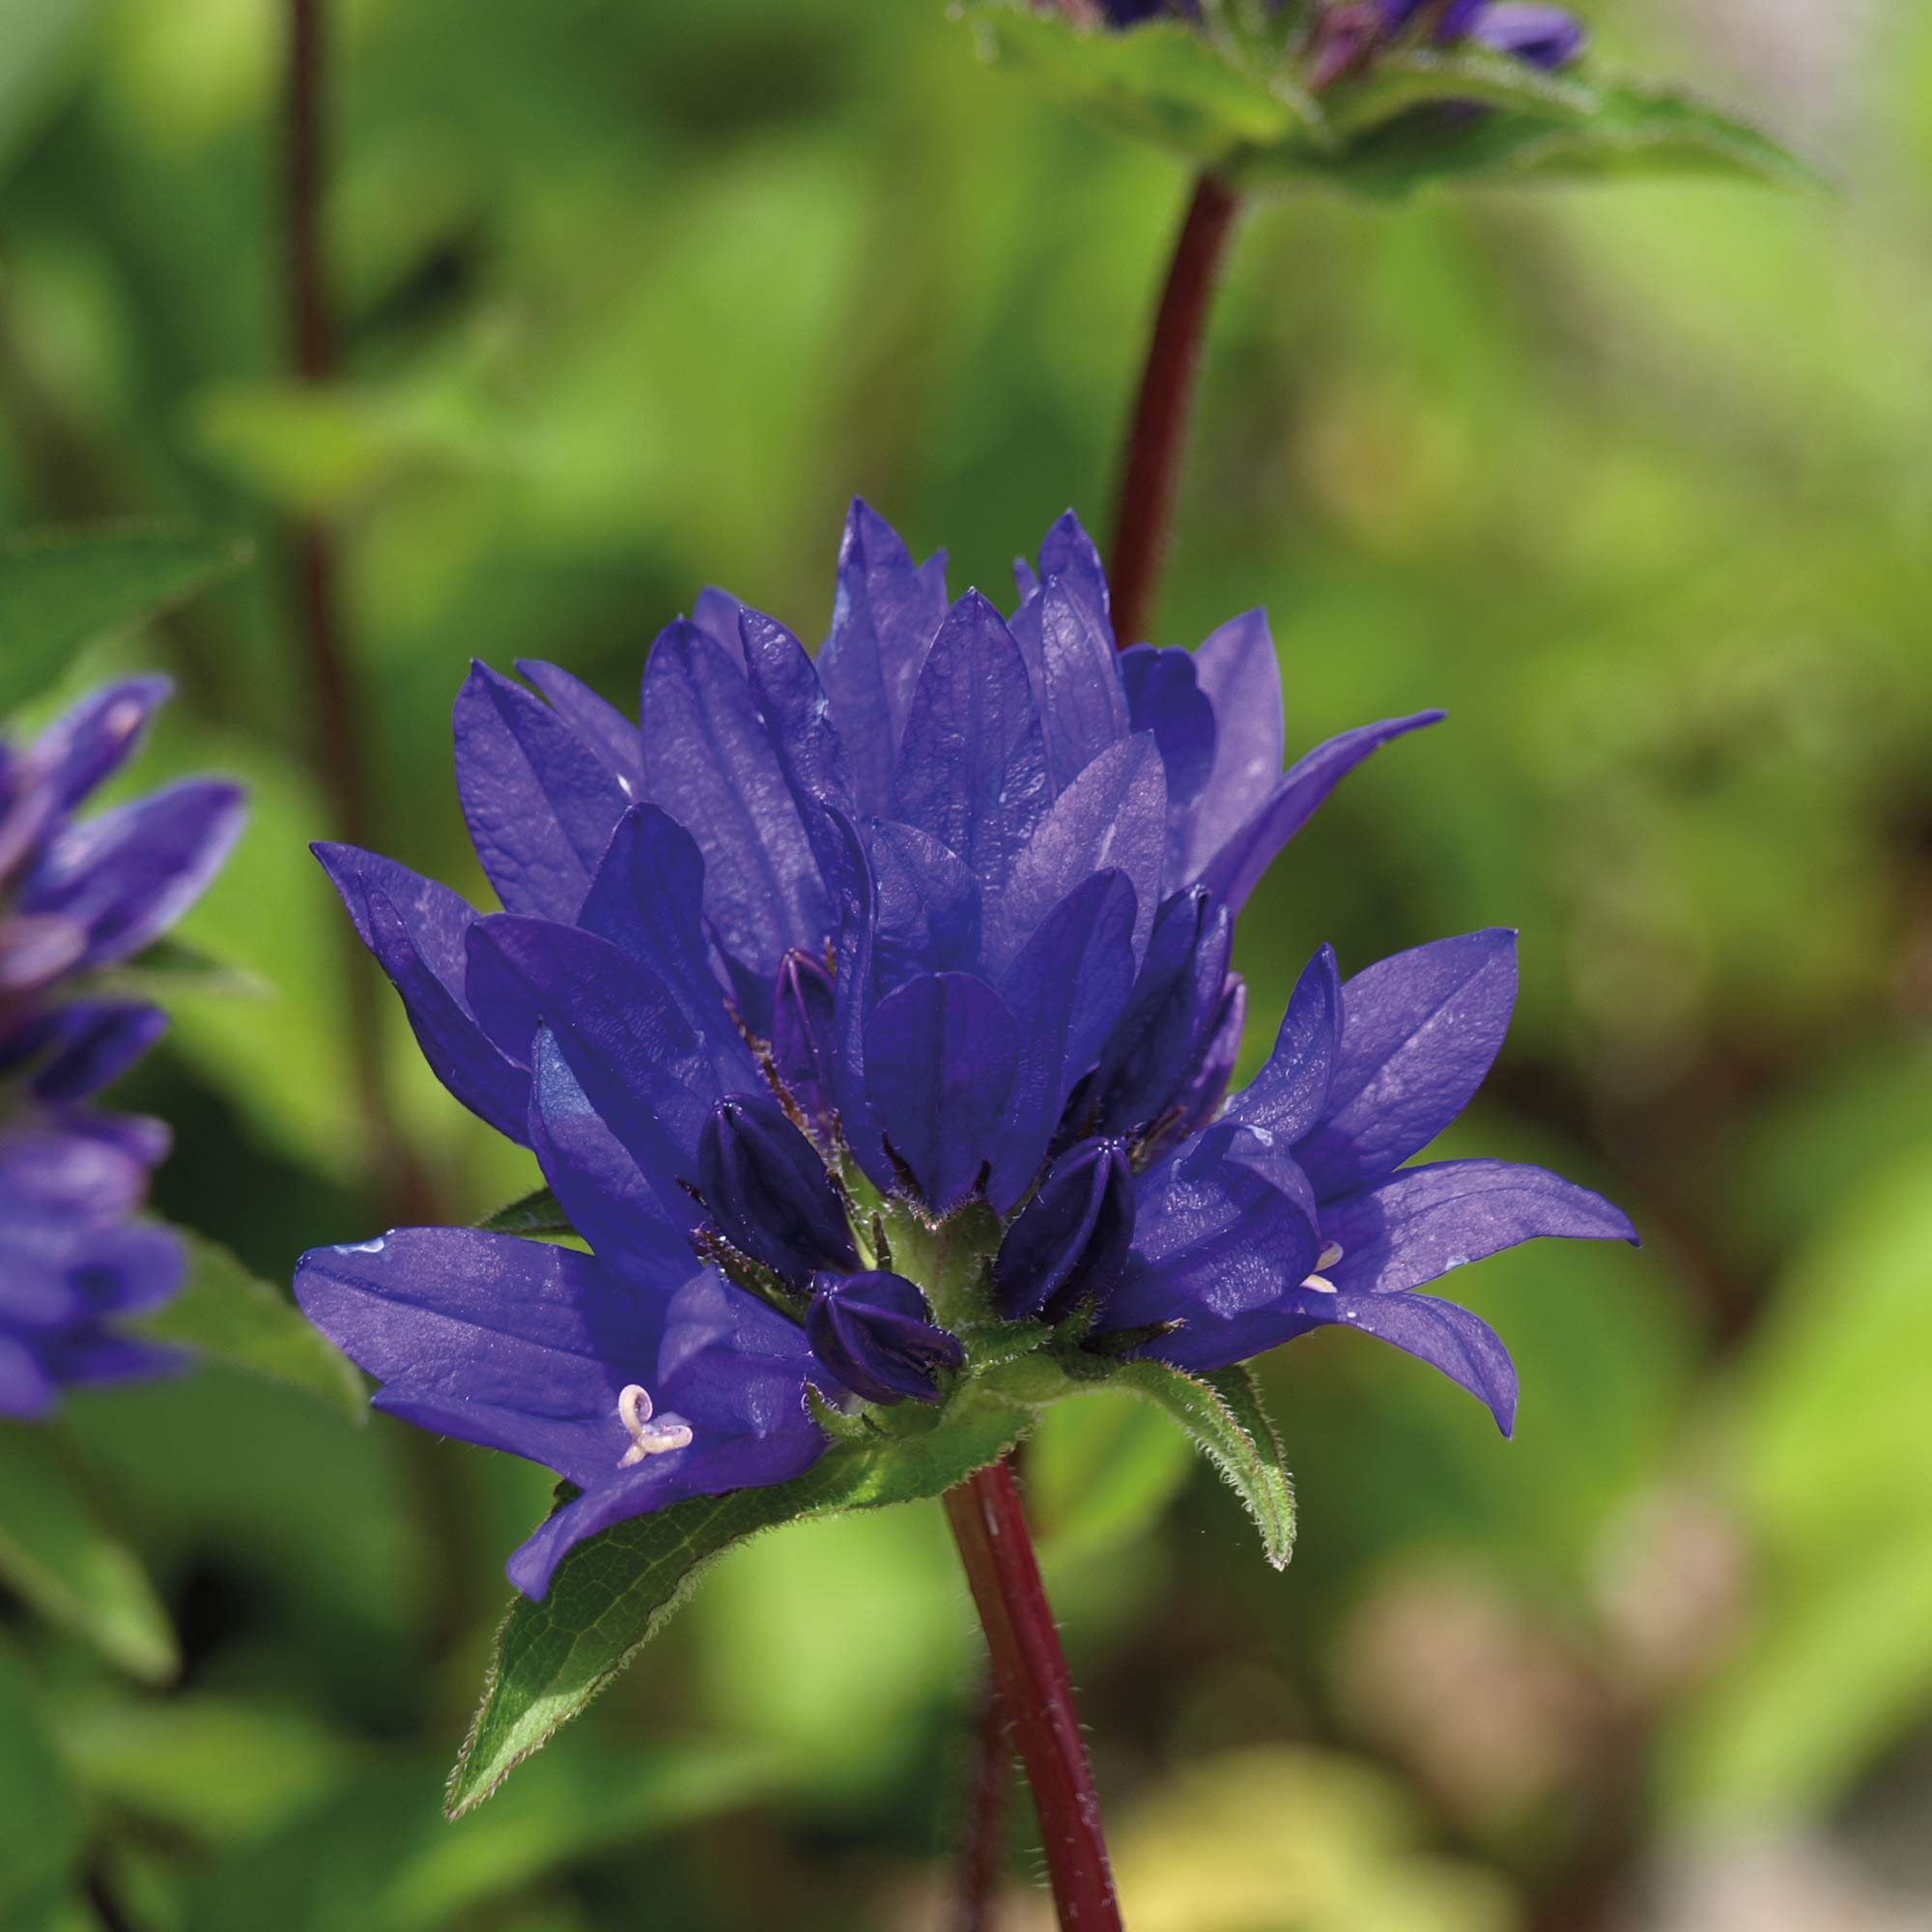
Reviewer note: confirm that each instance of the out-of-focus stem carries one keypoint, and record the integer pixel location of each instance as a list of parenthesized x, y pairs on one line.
[(996, 1548), (1151, 469), (976, 1896), (337, 750)]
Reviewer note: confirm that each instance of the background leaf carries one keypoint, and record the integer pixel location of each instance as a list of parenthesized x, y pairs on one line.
[(40, 1819), (224, 1313), (59, 588), (58, 1556)]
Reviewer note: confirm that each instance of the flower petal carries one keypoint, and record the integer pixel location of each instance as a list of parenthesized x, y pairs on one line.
[(972, 768), (1113, 815), (1289, 1095), (1065, 991), (603, 1194), (1448, 1338), (418, 932), (1224, 1228), (884, 617), (85, 1045), (597, 722), (1234, 869), (1085, 704), (89, 742), (648, 899), (1419, 1031), (713, 769), (514, 1344), (1164, 697), (1424, 1221), (540, 803), (940, 1058), (127, 876), (928, 905), (645, 1068), (1237, 674)]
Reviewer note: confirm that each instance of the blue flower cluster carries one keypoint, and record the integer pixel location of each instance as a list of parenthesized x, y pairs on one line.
[(1346, 32), (78, 896), (931, 933)]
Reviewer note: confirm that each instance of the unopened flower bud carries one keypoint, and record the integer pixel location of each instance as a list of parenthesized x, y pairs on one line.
[(1071, 1240), (874, 1334), (767, 1189)]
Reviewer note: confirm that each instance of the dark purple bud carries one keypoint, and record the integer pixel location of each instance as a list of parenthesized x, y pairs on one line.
[(1071, 1240), (767, 1189), (802, 1006), (1172, 1018), (874, 1334)]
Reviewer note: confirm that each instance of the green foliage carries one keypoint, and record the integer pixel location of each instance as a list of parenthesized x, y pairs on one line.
[(227, 1315), (612, 1594), (59, 588), (1223, 1415), (1233, 97), (59, 1556), (377, 1856), (41, 1820), (537, 1213)]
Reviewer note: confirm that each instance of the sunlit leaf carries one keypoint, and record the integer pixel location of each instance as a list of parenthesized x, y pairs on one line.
[(228, 1314), (57, 1556), (612, 1594), (59, 588)]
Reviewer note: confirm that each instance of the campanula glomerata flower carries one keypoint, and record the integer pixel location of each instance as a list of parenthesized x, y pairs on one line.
[(1344, 33), (856, 1008), (79, 895)]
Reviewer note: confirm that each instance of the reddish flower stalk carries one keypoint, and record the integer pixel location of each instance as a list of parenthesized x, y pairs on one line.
[(977, 1899), (1151, 468), (1029, 1670)]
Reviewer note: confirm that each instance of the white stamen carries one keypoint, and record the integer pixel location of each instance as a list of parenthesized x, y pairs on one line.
[(647, 1437), (1326, 1259)]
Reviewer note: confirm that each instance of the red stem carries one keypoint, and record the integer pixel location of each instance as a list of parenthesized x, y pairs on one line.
[(990, 1529), (1152, 465), (333, 684)]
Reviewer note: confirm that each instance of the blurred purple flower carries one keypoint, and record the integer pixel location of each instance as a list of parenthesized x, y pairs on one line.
[(1346, 33), (78, 894), (1018, 854)]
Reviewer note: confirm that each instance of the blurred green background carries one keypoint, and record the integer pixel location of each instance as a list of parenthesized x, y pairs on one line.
[(1635, 480)]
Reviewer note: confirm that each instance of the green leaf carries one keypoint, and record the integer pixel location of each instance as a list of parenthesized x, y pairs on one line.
[(1223, 1413), (1580, 132), (231, 1316), (1164, 82), (375, 1856), (60, 589), (1233, 97), (41, 1817), (57, 1557), (612, 1594), (538, 1214), (169, 968)]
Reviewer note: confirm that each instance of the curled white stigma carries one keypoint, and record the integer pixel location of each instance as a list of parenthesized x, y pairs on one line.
[(647, 1437), (1326, 1259)]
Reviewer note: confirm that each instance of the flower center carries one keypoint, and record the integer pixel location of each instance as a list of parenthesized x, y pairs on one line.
[(647, 1437)]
